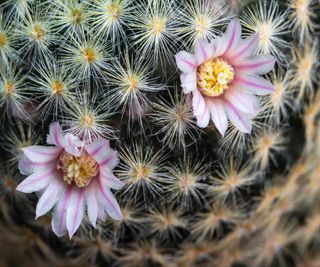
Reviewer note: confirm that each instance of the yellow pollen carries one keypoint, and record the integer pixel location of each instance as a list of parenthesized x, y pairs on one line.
[(89, 55), (3, 40), (37, 32), (78, 170), (76, 15), (8, 87), (113, 11), (57, 87), (214, 76)]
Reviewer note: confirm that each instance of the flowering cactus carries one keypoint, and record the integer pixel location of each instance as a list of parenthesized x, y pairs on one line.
[(222, 75), (72, 176), (143, 133)]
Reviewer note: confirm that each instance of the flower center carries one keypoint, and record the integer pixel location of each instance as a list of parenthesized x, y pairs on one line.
[(78, 170), (214, 76), (3, 40)]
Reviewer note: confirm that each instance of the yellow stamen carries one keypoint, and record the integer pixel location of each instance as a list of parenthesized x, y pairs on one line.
[(3, 40), (214, 76), (78, 170), (57, 87)]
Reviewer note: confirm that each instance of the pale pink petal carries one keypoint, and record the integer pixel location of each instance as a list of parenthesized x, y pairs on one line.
[(75, 211), (49, 198), (232, 35), (188, 81), (37, 181), (186, 62), (42, 154), (218, 115), (254, 84), (109, 180), (92, 202), (100, 150), (198, 103), (204, 118), (109, 202), (58, 222), (238, 98), (55, 136), (203, 51), (72, 144), (218, 46), (102, 215), (256, 64), (240, 120), (27, 167), (245, 49)]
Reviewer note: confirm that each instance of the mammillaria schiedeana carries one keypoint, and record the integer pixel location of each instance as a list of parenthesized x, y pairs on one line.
[(143, 133)]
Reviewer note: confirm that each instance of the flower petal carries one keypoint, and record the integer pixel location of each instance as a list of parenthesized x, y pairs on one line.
[(186, 62), (109, 202), (204, 118), (198, 103), (71, 145), (245, 49), (232, 35), (58, 222), (203, 51), (240, 120), (218, 115), (75, 210), (42, 154), (254, 84), (27, 167), (55, 136), (256, 64), (109, 180), (92, 202), (37, 181), (49, 198), (100, 150), (240, 100), (188, 81)]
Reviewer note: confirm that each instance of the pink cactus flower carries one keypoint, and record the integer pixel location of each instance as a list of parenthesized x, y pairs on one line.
[(223, 78), (71, 177)]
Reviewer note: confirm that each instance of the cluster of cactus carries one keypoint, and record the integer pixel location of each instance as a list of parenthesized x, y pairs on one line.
[(192, 194)]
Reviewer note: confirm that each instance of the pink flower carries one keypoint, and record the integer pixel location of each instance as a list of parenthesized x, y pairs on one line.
[(71, 177), (223, 77)]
